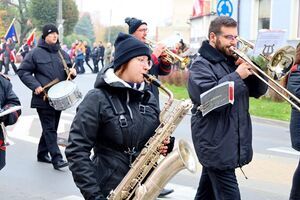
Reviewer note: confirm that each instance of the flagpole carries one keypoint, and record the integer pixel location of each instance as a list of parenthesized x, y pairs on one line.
[(13, 21), (32, 32)]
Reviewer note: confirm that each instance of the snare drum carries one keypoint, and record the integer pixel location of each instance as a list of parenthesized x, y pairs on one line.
[(63, 95)]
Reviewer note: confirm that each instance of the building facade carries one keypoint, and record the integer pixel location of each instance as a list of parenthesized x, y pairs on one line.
[(178, 26), (251, 15)]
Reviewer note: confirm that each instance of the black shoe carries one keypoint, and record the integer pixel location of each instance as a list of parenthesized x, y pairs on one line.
[(165, 192), (45, 159), (60, 164)]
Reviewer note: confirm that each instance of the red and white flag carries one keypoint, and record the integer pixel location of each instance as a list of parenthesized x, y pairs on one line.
[(31, 38), (201, 7)]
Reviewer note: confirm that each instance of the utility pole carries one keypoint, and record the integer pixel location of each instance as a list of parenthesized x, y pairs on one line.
[(60, 21), (109, 28)]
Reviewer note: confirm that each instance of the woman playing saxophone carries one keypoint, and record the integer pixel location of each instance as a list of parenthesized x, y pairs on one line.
[(115, 119)]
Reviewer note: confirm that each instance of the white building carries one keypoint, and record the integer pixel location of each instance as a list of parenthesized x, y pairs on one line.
[(251, 15)]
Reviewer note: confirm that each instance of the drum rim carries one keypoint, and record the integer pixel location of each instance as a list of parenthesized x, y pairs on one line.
[(50, 91)]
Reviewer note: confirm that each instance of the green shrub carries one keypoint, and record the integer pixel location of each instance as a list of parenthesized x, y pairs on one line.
[(177, 78)]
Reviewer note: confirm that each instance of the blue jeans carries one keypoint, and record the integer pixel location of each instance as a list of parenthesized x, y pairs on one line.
[(295, 191), (218, 185)]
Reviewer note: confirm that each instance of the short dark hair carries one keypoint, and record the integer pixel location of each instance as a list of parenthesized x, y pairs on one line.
[(216, 25)]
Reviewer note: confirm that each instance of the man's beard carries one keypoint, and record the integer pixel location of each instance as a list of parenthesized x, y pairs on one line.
[(223, 49)]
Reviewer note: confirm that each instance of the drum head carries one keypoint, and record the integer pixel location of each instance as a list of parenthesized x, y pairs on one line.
[(61, 89)]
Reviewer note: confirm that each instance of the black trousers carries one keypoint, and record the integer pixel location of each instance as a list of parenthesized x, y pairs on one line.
[(96, 68), (87, 62), (295, 191), (218, 185), (48, 142)]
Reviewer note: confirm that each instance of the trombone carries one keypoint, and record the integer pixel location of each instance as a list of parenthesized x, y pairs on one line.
[(171, 56), (282, 61)]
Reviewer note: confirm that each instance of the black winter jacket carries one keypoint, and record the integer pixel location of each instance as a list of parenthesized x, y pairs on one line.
[(159, 68), (41, 66), (223, 138), (97, 126), (294, 87), (7, 99)]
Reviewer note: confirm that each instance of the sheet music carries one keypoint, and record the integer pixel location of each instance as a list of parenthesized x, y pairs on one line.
[(268, 41), (10, 110), (217, 96)]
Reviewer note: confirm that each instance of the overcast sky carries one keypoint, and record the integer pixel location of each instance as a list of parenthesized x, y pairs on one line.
[(154, 12)]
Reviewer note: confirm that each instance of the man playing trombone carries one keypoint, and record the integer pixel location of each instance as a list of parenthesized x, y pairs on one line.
[(223, 137)]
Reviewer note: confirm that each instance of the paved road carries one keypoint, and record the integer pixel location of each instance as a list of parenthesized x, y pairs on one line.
[(269, 175)]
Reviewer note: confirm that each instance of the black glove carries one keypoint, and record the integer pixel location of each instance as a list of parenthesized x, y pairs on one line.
[(171, 144)]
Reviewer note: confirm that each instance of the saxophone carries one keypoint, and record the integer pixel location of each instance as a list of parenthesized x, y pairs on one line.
[(147, 177)]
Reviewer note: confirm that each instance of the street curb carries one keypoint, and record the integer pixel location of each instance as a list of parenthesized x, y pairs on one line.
[(254, 118), (270, 121)]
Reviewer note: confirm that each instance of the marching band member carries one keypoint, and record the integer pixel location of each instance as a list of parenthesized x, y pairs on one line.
[(294, 87), (8, 99), (115, 119), (45, 63), (222, 138), (161, 67)]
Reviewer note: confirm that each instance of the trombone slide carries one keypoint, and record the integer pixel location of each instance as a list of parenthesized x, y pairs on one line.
[(247, 59)]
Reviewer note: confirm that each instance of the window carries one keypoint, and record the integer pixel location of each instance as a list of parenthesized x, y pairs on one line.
[(264, 12)]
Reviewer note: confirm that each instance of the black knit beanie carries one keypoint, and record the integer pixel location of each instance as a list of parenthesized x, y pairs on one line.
[(133, 24), (49, 28), (128, 47)]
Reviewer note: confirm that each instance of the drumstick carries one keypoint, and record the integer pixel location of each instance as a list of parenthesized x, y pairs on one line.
[(48, 85), (69, 75)]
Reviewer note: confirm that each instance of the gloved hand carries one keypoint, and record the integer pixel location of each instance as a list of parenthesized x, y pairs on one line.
[(171, 144)]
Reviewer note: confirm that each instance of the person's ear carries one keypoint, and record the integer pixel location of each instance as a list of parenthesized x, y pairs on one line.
[(212, 37)]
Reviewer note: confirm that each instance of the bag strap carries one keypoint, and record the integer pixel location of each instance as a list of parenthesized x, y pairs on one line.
[(117, 108)]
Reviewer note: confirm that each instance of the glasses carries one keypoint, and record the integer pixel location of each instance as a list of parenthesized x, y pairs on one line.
[(230, 37), (145, 62), (143, 30)]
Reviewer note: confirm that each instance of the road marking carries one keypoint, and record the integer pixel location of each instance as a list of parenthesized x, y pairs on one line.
[(22, 129), (287, 150), (72, 197), (180, 192)]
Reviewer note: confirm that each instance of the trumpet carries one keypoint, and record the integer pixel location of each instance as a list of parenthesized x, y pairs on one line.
[(280, 63), (171, 56)]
